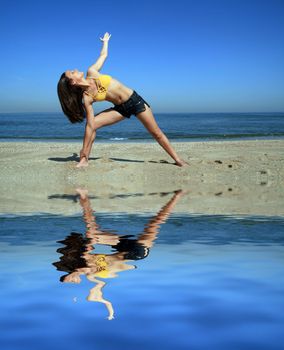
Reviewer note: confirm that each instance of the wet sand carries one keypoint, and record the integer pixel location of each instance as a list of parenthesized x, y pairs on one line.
[(223, 178)]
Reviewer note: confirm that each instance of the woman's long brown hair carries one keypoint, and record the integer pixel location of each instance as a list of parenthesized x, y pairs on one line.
[(70, 98)]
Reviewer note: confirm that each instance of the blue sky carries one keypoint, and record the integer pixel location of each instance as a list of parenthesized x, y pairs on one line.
[(181, 56)]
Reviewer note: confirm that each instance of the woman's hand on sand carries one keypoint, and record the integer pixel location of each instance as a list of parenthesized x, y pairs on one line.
[(106, 37), (83, 160), (83, 163)]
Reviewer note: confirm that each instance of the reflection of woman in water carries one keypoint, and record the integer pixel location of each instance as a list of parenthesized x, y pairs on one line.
[(78, 93), (77, 258)]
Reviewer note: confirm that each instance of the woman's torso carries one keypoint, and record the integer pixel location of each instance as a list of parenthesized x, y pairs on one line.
[(106, 266), (106, 88)]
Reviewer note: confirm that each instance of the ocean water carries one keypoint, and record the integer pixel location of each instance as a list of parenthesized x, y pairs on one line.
[(141, 281), (138, 280), (177, 126)]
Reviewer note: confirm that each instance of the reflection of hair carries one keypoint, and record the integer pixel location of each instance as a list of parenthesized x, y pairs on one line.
[(71, 259), (76, 245), (70, 97)]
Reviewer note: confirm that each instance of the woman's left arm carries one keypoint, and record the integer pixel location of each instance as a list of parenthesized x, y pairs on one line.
[(103, 55)]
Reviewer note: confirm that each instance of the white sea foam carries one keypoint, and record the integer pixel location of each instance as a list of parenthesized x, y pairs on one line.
[(118, 138)]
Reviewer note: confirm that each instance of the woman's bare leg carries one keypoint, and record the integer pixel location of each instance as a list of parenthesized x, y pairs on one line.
[(107, 117), (148, 120)]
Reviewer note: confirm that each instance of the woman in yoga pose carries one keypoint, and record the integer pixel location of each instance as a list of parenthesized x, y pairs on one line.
[(77, 94), (80, 257)]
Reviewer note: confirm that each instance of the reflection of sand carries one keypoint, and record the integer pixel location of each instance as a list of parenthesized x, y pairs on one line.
[(223, 177)]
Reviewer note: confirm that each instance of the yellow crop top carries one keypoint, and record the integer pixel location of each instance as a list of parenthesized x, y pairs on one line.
[(102, 266), (102, 83)]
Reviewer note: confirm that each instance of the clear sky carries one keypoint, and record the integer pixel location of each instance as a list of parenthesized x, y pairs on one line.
[(181, 55)]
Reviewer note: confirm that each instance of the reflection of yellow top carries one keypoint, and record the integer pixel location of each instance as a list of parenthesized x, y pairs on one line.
[(102, 266), (102, 83)]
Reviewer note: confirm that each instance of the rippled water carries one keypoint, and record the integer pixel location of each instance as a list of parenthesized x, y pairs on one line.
[(169, 280)]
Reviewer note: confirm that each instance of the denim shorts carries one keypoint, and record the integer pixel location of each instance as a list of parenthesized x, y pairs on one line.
[(134, 105)]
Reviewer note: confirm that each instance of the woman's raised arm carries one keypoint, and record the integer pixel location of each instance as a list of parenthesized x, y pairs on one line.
[(103, 55)]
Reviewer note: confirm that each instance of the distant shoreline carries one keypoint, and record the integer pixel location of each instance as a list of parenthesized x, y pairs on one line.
[(59, 112), (125, 140)]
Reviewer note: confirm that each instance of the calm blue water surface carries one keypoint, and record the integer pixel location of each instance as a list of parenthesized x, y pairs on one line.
[(177, 126), (188, 282)]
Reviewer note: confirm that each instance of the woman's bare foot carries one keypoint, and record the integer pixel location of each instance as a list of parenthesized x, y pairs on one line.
[(181, 163), (83, 163)]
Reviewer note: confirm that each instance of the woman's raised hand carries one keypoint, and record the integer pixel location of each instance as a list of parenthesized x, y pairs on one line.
[(106, 37)]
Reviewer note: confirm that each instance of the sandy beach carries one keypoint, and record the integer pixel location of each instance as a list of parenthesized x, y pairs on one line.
[(223, 178)]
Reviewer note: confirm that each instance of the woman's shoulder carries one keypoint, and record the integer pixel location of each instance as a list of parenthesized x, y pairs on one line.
[(92, 73)]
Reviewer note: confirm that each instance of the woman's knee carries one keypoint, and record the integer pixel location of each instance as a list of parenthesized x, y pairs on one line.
[(97, 124), (95, 127), (106, 118)]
